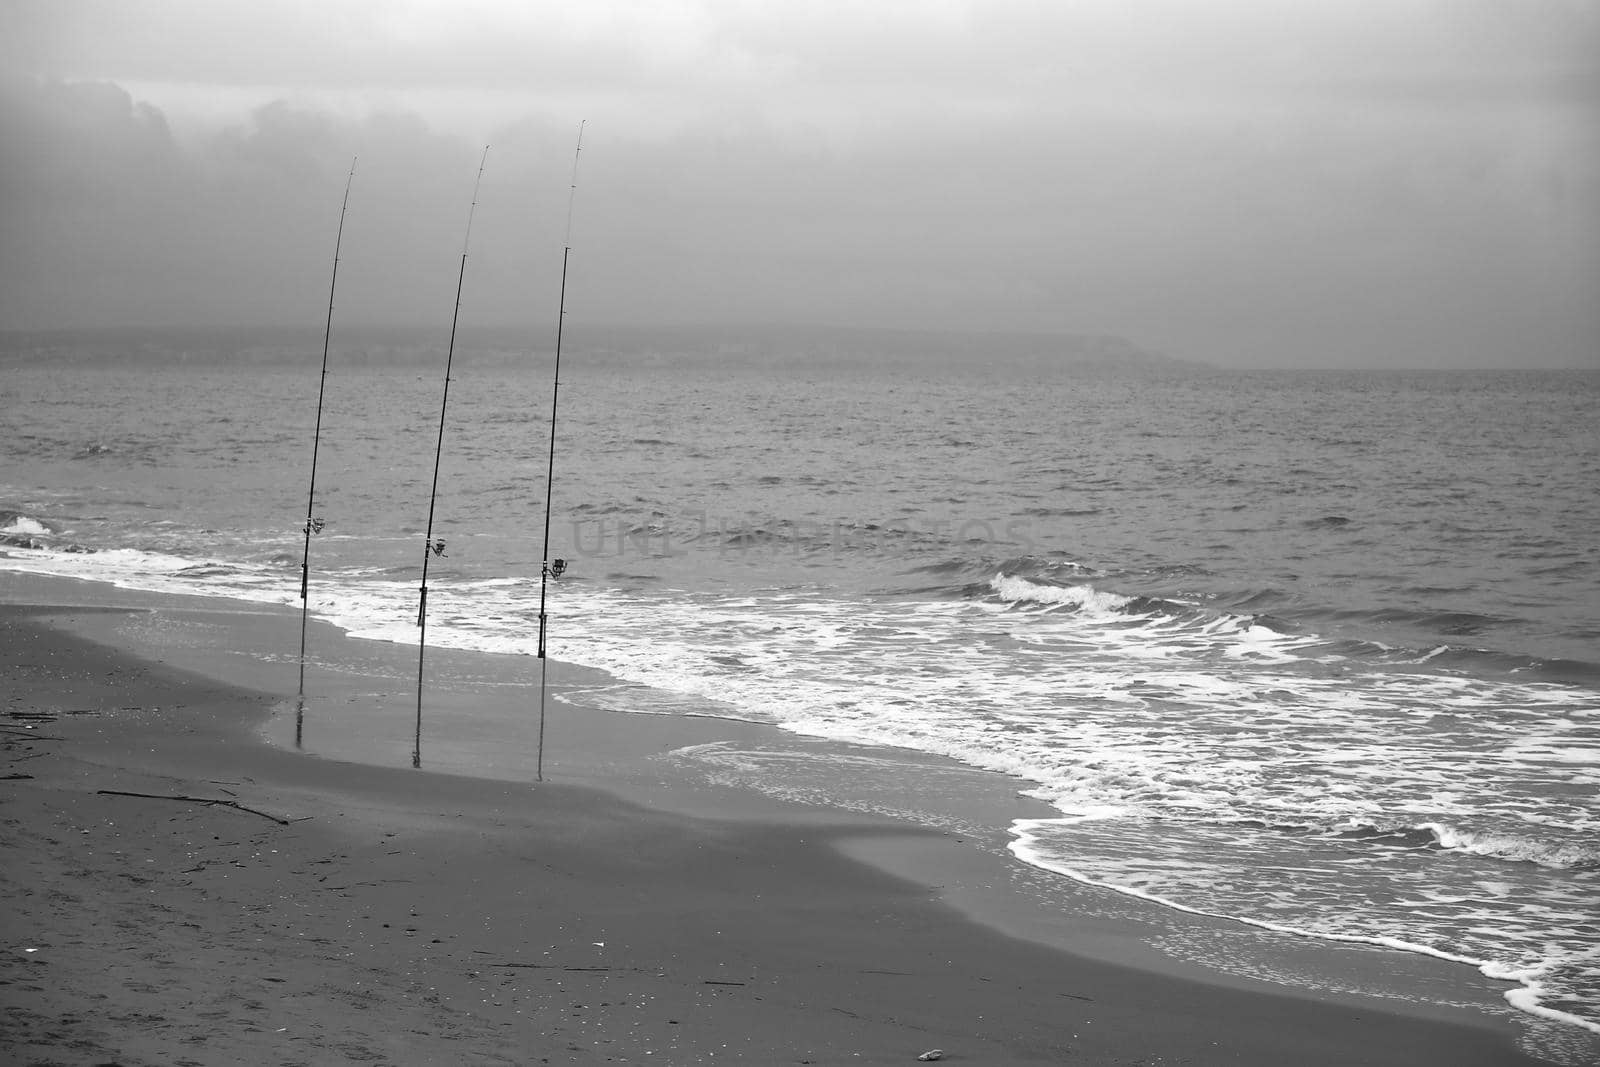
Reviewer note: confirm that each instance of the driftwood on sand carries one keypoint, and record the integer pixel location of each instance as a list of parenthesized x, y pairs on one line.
[(195, 800)]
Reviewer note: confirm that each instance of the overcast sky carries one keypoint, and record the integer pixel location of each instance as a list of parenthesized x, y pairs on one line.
[(1339, 182)]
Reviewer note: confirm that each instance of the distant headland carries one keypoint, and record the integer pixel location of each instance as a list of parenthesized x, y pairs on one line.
[(690, 343)]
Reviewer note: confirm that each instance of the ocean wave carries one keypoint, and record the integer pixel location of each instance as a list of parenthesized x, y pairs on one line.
[(1557, 856), (15, 522), (971, 577), (1162, 623), (133, 568), (1502, 846), (1082, 598), (20, 530)]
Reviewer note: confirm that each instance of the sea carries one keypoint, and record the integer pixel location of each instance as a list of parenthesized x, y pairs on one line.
[(1317, 651)]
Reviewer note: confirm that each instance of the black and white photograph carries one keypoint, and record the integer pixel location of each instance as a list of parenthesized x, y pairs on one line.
[(732, 531)]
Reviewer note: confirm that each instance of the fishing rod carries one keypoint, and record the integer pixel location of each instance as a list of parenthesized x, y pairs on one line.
[(313, 524), (430, 547), (554, 568)]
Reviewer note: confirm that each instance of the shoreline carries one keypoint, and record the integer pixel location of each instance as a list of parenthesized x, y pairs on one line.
[(869, 887)]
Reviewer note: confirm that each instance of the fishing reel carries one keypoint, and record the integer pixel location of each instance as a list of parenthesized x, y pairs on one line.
[(555, 568), (436, 546), (314, 525)]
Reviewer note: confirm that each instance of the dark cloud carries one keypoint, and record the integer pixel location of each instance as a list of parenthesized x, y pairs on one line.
[(1241, 182), (109, 219)]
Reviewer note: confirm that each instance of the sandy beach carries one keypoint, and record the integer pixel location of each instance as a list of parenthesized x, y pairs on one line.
[(180, 890)]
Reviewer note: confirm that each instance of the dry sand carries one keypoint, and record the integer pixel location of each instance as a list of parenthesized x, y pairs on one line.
[(332, 912)]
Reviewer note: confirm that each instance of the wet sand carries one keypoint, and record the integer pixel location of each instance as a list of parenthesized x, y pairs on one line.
[(319, 910)]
